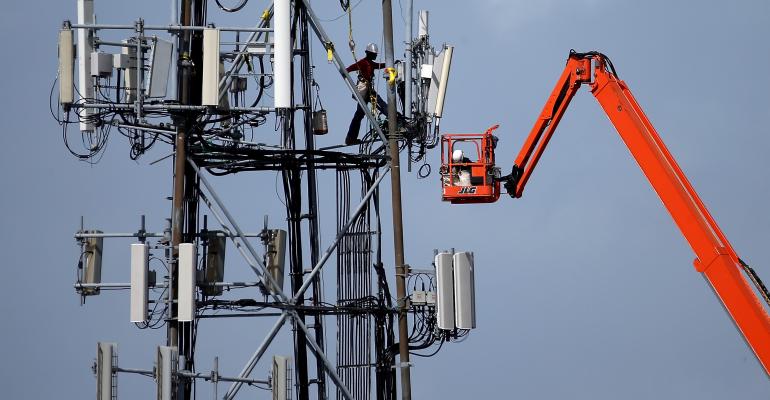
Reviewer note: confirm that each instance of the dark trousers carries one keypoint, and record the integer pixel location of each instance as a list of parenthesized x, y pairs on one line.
[(355, 123)]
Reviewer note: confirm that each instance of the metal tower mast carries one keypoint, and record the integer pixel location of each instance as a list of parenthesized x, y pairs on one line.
[(205, 121)]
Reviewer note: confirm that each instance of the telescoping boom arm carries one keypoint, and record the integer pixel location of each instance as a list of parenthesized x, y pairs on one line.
[(716, 259)]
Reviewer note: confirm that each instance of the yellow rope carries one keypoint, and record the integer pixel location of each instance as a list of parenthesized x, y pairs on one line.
[(351, 42)]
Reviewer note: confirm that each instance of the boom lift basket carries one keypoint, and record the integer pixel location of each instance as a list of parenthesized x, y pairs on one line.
[(469, 180)]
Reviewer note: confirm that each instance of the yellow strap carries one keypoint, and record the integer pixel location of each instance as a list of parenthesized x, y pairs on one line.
[(392, 74), (266, 14), (329, 51)]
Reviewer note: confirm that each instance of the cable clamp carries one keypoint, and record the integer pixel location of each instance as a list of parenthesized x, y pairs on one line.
[(403, 365)]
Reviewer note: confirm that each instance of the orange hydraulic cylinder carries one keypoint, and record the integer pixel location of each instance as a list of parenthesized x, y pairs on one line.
[(717, 260)]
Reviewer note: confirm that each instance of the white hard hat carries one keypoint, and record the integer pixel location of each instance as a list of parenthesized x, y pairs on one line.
[(457, 155), (372, 48)]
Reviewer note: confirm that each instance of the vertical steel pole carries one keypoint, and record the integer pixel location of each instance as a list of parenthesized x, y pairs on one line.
[(177, 206), (175, 328), (312, 195), (398, 228), (292, 178)]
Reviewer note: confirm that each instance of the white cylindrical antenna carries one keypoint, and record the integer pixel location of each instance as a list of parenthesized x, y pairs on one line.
[(66, 67), (443, 81), (423, 23), (282, 61), (84, 49)]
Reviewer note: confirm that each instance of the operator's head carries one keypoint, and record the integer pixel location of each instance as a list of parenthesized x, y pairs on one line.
[(371, 51), (457, 155)]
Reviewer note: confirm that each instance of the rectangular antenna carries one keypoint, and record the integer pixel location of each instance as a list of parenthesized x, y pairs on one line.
[(188, 262), (106, 362), (92, 261), (423, 24), (160, 68), (129, 76), (439, 79), (275, 257), (139, 271), (283, 53), (211, 67), (84, 48), (165, 369), (281, 378), (66, 67), (465, 296), (215, 262), (445, 309), (443, 80)]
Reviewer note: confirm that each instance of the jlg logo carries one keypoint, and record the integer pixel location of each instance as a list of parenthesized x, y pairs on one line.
[(468, 190)]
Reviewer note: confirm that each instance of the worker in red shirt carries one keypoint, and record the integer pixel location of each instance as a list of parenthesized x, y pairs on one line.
[(365, 68)]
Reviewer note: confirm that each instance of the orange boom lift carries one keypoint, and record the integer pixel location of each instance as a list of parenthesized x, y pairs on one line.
[(716, 259)]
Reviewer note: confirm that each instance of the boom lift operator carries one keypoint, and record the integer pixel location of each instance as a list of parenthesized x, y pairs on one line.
[(716, 259)]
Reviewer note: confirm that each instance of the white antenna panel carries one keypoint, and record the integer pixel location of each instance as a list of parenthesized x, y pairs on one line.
[(139, 271), (465, 296), (66, 66), (283, 50), (160, 68), (439, 79), (84, 49), (443, 80), (188, 261), (445, 309), (423, 23), (129, 76), (165, 369), (281, 378), (211, 67), (106, 379)]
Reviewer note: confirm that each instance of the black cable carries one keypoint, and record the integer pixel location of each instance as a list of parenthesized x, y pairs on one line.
[(237, 8), (261, 82), (757, 282), (441, 344), (587, 54)]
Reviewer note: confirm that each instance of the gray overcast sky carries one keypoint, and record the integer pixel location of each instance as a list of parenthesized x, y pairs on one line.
[(585, 289)]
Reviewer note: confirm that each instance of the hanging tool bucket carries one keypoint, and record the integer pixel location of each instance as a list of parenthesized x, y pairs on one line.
[(320, 122)]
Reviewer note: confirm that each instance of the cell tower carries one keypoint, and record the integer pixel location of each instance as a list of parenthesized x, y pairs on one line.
[(209, 91)]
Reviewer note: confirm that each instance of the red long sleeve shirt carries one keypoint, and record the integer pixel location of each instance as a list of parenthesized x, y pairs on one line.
[(365, 68)]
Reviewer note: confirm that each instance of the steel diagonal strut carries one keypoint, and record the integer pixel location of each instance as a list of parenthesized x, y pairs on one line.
[(330, 368), (327, 42), (359, 209), (249, 260), (236, 386), (279, 295)]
